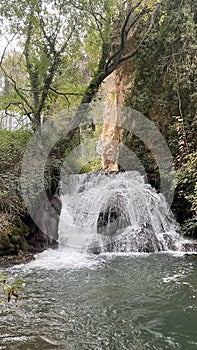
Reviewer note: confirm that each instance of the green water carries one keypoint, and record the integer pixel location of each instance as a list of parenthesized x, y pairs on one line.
[(104, 303)]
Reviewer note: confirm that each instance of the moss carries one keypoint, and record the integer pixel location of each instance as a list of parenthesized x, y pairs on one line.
[(20, 227), (14, 238), (6, 247), (4, 241)]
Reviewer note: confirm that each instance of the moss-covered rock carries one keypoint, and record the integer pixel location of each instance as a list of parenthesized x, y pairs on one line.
[(6, 247), (13, 236)]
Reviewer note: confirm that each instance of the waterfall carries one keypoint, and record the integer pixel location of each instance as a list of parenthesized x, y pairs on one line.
[(118, 211)]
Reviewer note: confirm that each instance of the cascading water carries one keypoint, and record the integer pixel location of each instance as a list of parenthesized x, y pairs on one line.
[(106, 301), (119, 212)]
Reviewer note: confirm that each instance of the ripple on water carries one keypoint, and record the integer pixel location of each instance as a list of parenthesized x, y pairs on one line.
[(76, 301)]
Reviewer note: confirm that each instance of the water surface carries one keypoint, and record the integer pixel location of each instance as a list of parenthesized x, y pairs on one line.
[(110, 302)]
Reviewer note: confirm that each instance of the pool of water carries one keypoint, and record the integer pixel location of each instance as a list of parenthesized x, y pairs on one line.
[(110, 302)]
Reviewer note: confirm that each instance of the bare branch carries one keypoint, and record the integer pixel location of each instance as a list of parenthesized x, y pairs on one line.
[(65, 93), (114, 59), (97, 21), (4, 51), (152, 21), (20, 105), (66, 42), (17, 90)]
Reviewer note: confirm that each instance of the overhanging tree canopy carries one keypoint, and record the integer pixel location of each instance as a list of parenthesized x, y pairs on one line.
[(56, 41)]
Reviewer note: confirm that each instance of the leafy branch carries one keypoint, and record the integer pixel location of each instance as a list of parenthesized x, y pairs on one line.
[(11, 287)]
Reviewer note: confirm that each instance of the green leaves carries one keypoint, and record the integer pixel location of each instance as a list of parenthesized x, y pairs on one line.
[(187, 191), (11, 287), (187, 180), (3, 278), (12, 147)]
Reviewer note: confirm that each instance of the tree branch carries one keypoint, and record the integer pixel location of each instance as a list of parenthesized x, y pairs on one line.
[(32, 72), (66, 42), (66, 93), (17, 90), (97, 21), (52, 70), (152, 21), (4, 51), (21, 106), (124, 33)]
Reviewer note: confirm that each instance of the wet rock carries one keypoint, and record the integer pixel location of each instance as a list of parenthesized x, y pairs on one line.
[(20, 258), (169, 242), (94, 249), (113, 218), (189, 246), (141, 241), (47, 220), (17, 235), (13, 237), (6, 247)]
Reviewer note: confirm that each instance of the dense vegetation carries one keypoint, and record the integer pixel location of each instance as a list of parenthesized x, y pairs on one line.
[(64, 52), (164, 89)]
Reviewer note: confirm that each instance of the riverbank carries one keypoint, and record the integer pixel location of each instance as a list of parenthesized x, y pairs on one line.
[(20, 258)]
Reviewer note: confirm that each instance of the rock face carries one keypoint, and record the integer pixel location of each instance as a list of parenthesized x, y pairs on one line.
[(111, 135), (141, 241), (190, 246), (47, 220), (13, 236), (20, 258), (20, 235), (113, 217)]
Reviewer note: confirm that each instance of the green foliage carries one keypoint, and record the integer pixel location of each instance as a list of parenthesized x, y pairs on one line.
[(84, 158), (187, 181), (12, 147), (92, 166), (164, 89), (189, 227), (50, 49), (59, 48), (66, 50), (164, 86), (10, 287)]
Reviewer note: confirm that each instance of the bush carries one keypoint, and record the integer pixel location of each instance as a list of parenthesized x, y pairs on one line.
[(12, 148), (187, 191)]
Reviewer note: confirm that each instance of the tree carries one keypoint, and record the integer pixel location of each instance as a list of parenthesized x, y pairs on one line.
[(54, 34), (49, 37)]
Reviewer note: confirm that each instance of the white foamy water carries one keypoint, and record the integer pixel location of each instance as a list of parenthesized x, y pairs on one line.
[(110, 215), (62, 258), (116, 212)]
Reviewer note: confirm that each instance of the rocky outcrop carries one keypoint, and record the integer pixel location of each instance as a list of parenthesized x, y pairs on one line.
[(113, 217), (20, 258), (47, 220), (14, 235), (19, 235), (190, 246)]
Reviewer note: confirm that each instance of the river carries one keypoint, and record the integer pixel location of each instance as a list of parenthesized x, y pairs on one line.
[(76, 301)]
